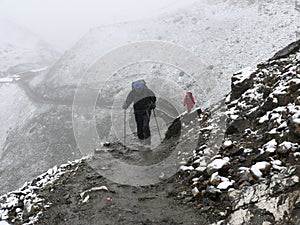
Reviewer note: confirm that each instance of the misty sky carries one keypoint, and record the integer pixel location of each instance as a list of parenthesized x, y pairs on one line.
[(62, 22)]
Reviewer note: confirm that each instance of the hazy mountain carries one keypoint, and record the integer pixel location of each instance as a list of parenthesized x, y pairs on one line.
[(226, 35), (20, 46)]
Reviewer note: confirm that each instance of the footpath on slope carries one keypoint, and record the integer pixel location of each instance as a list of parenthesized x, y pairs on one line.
[(256, 171), (164, 203)]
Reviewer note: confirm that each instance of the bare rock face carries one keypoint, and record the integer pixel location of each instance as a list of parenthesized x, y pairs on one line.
[(270, 103), (268, 199), (240, 82)]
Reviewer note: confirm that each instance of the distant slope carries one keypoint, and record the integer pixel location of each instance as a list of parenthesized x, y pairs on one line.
[(227, 35), (19, 46)]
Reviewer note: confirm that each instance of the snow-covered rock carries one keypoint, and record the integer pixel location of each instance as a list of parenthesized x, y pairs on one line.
[(25, 204), (260, 173), (219, 32)]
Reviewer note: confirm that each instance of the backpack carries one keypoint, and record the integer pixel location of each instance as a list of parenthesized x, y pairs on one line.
[(142, 81)]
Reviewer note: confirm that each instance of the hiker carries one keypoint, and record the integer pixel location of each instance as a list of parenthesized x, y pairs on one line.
[(143, 102), (189, 101)]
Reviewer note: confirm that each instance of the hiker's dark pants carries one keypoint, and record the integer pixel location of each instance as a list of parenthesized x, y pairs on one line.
[(142, 122)]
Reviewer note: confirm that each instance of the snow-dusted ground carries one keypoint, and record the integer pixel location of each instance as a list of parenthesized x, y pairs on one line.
[(16, 109), (28, 196), (20, 52), (226, 36), (239, 167), (261, 144)]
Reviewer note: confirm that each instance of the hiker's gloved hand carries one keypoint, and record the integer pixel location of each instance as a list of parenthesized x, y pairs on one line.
[(152, 105)]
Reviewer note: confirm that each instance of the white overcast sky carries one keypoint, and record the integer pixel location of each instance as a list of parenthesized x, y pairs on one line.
[(62, 22)]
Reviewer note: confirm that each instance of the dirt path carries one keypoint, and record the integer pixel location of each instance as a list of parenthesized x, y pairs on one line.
[(169, 202), (23, 84), (165, 203), (152, 205)]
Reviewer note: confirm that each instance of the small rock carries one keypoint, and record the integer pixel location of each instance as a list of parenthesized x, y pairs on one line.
[(86, 199), (212, 190), (205, 208), (67, 196), (227, 144), (195, 191), (187, 199), (283, 149), (260, 169), (292, 181), (162, 175)]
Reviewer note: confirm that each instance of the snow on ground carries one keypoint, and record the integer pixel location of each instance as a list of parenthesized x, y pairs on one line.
[(271, 146), (226, 37), (4, 223), (16, 109), (26, 200), (260, 143), (242, 75), (218, 163), (6, 80), (258, 167)]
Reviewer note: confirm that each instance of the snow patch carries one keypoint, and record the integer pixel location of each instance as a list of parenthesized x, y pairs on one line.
[(258, 167), (218, 163), (270, 146), (243, 75)]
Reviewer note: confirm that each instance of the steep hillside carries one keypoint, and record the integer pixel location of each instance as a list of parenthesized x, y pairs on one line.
[(254, 172), (244, 169), (22, 54), (227, 35)]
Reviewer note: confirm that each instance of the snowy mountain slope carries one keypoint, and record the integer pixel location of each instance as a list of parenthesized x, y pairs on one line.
[(226, 39), (226, 35), (32, 201), (34, 137), (22, 148), (10, 97), (255, 169), (21, 53), (19, 46), (250, 177), (202, 28)]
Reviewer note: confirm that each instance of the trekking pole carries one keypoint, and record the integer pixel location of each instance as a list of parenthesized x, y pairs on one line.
[(157, 124), (124, 128)]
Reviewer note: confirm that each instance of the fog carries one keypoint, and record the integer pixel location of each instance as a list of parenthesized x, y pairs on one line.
[(62, 22)]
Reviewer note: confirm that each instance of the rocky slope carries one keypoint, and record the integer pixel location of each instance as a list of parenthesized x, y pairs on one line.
[(244, 170), (219, 32), (255, 171), (22, 53), (39, 134)]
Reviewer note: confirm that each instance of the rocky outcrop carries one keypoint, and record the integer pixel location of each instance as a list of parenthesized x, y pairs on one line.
[(25, 205), (253, 177), (290, 49)]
